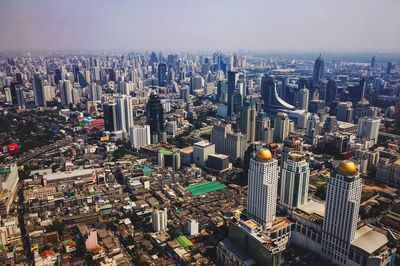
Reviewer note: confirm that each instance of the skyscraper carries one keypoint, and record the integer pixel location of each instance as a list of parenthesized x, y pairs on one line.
[(139, 136), (155, 115), (295, 176), (110, 116), (218, 137), (159, 220), (38, 90), (262, 122), (233, 78), (281, 126), (303, 99), (248, 121), (65, 92), (262, 188), (319, 70), (162, 74), (341, 211), (331, 91), (368, 128), (20, 97), (312, 126)]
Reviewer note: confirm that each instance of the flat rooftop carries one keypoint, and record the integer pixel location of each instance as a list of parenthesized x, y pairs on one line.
[(313, 207), (68, 174), (369, 240), (203, 143)]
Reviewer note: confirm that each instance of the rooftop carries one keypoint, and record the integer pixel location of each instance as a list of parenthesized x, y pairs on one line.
[(369, 240)]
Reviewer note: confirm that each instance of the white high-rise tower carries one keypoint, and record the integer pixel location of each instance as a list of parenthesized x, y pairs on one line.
[(341, 211), (263, 188)]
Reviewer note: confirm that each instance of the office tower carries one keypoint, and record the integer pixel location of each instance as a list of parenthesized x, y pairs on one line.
[(38, 90), (218, 137), (139, 136), (121, 122), (201, 150), (94, 92), (162, 74), (222, 91), (368, 128), (184, 93), (58, 75), (195, 83), (76, 96), (319, 70), (263, 179), (360, 93), (341, 211), (233, 78), (295, 176), (49, 93), (345, 112), (236, 145), (304, 96), (390, 67), (87, 76), (96, 74), (262, 122), (128, 112), (241, 86), (373, 62), (159, 219), (171, 128), (236, 102), (281, 126), (330, 125), (65, 92), (331, 91), (361, 109), (155, 116), (110, 116), (248, 121), (20, 97), (312, 126)]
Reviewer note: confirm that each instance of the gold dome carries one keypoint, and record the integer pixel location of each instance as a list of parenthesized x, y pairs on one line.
[(264, 154), (347, 167)]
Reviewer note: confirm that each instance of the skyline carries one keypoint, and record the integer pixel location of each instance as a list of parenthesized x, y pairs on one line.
[(201, 26)]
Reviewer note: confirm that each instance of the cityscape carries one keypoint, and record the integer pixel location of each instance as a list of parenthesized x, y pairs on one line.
[(131, 138)]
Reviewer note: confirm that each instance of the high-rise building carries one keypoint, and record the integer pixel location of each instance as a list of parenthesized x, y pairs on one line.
[(110, 116), (263, 179), (295, 177), (236, 145), (331, 91), (319, 69), (139, 136), (65, 92), (236, 102), (233, 78), (20, 97), (195, 83), (193, 227), (162, 74), (303, 99), (312, 126), (281, 126), (38, 90), (341, 211), (159, 220), (155, 116), (248, 121), (201, 150), (262, 122), (368, 128), (184, 93), (345, 112), (373, 62), (218, 137), (270, 95)]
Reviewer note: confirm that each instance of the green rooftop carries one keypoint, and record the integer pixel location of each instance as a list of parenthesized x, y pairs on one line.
[(165, 152), (205, 187), (184, 241)]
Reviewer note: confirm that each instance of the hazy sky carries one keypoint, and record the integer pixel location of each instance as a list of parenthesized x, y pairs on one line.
[(192, 25)]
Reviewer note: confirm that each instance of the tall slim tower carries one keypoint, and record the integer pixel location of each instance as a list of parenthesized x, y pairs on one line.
[(155, 115), (262, 188), (319, 69), (281, 126), (248, 121), (110, 116), (304, 96), (218, 137), (295, 176), (65, 92), (262, 123), (341, 211), (233, 78), (39, 92), (162, 74)]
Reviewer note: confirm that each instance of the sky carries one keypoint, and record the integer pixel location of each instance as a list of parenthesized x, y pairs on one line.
[(200, 25)]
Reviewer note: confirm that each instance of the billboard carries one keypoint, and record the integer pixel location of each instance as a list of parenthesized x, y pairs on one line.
[(9, 148)]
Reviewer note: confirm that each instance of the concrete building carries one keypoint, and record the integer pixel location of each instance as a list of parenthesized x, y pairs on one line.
[(159, 220), (368, 128), (218, 137), (139, 136), (281, 126), (193, 227), (8, 186), (236, 145), (262, 188), (201, 150), (295, 177)]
